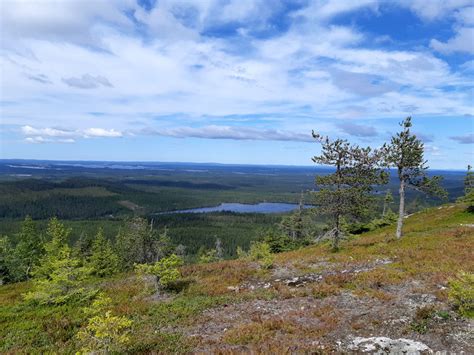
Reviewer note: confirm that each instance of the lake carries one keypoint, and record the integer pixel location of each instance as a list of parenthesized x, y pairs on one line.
[(263, 207)]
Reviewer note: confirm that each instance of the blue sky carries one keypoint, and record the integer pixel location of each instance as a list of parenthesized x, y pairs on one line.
[(233, 81)]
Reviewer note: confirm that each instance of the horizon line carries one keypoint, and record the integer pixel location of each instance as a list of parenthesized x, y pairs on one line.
[(188, 162)]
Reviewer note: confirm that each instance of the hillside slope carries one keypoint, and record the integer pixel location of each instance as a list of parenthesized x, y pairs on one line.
[(375, 293)]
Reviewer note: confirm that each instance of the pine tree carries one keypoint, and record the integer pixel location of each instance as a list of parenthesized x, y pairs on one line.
[(405, 153), (346, 193), (103, 261), (27, 252)]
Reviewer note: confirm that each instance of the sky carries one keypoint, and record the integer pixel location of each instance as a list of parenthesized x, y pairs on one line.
[(233, 81)]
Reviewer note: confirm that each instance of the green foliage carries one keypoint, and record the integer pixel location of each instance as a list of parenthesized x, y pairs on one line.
[(386, 220), (104, 332), (405, 153), (5, 252), (387, 201), (57, 279), (279, 243), (27, 252), (422, 318), (83, 246), (103, 261), (461, 293), (207, 256), (241, 253), (165, 270), (346, 193), (468, 197), (138, 242), (293, 224), (260, 251)]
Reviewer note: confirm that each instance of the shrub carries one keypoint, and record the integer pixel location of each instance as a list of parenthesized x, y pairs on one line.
[(279, 243), (104, 332), (260, 251), (207, 256), (461, 293), (166, 270), (421, 320), (241, 253)]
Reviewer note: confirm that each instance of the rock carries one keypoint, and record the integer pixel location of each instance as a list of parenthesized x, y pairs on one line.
[(233, 288), (384, 345), (293, 282)]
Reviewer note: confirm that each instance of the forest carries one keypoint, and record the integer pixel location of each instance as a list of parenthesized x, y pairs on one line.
[(68, 239)]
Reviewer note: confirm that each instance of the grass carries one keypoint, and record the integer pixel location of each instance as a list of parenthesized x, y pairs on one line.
[(435, 248)]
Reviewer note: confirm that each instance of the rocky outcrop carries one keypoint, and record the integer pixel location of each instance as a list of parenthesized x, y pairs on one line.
[(384, 345)]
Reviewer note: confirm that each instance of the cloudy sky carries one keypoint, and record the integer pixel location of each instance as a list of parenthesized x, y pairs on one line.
[(233, 81)]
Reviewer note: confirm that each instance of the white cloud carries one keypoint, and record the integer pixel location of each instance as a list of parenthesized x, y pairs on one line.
[(357, 130), (73, 21), (466, 139), (231, 132), (87, 81), (168, 74), (54, 135), (325, 9), (431, 10), (49, 132), (463, 41), (101, 132), (41, 140)]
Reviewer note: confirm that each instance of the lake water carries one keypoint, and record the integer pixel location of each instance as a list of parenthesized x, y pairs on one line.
[(263, 207)]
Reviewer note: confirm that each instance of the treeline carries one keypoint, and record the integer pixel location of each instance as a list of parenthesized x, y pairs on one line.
[(61, 205), (137, 242)]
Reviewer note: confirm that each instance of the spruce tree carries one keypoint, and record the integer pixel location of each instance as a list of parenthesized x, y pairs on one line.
[(468, 197), (293, 224), (387, 201), (405, 153), (56, 280), (346, 193), (5, 252), (103, 261), (27, 252)]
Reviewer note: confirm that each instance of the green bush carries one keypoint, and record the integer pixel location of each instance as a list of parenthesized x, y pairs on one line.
[(461, 293), (104, 332), (260, 251), (207, 256), (279, 243), (241, 253), (166, 270), (58, 277)]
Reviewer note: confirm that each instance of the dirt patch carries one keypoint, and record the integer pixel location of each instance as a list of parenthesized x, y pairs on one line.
[(333, 323)]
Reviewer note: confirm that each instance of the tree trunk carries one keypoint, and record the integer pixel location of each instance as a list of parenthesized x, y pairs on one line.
[(384, 209), (401, 209)]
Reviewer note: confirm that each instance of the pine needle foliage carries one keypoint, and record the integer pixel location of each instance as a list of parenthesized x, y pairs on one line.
[(405, 153), (345, 194)]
